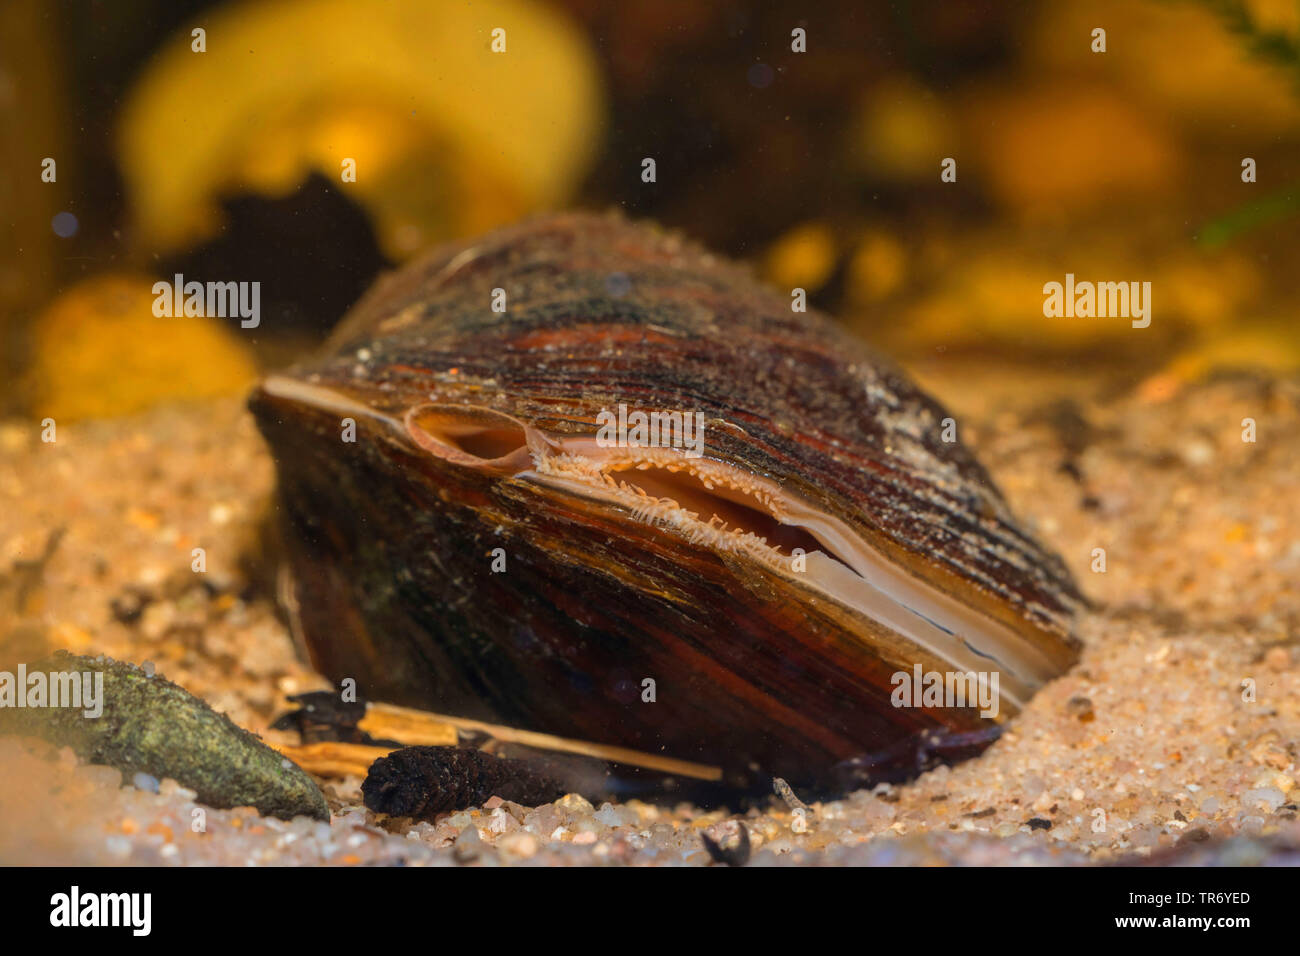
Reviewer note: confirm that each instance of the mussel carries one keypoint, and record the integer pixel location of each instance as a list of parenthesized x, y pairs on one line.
[(756, 602)]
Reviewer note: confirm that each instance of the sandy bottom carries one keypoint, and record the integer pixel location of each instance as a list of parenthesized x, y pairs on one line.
[(1174, 738)]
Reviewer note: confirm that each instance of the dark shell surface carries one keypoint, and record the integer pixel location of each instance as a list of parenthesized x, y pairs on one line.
[(474, 431)]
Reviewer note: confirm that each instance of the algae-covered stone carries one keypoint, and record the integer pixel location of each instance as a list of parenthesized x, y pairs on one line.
[(147, 724)]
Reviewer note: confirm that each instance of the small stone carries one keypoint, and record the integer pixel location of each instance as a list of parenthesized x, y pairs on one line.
[(143, 781), (501, 821), (1269, 797), (516, 810), (518, 845), (168, 787), (543, 821), (575, 803), (612, 816), (468, 845), (1080, 708)]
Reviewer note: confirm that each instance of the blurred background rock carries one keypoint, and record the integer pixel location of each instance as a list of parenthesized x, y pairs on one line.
[(821, 168)]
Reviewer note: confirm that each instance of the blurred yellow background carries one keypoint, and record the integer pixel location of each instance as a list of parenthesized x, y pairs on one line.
[(214, 139)]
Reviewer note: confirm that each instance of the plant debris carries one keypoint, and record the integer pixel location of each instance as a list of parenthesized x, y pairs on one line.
[(733, 853), (783, 791), (426, 781)]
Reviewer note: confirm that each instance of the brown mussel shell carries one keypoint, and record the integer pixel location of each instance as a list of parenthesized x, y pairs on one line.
[(473, 433)]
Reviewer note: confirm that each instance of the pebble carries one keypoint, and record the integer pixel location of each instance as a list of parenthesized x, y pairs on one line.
[(1270, 797), (468, 845), (518, 845), (575, 804), (1080, 707), (612, 816)]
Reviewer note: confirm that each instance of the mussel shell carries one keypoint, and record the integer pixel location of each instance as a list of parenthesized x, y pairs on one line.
[(391, 545)]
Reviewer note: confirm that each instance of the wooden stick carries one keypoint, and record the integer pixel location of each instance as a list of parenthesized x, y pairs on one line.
[(411, 727), (410, 721), (334, 759)]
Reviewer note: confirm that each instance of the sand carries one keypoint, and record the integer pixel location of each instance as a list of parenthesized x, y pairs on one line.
[(1174, 738)]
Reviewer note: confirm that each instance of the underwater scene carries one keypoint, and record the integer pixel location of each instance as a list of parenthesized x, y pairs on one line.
[(561, 433)]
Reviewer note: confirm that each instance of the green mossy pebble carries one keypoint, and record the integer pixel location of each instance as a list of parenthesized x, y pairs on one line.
[(150, 725)]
